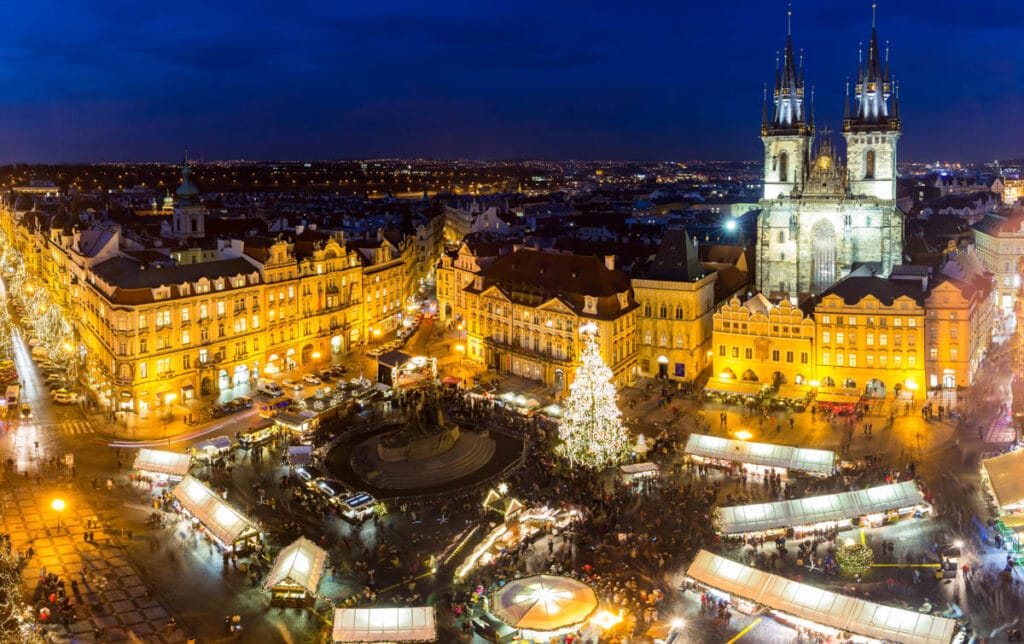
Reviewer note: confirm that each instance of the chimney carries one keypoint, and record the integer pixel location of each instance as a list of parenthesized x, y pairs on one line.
[(609, 262)]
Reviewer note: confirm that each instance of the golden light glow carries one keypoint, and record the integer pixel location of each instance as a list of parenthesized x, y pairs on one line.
[(57, 504), (606, 619), (815, 383), (316, 355), (460, 348), (744, 435)]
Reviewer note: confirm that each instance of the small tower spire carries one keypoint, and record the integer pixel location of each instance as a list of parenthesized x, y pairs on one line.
[(874, 7), (846, 110), (810, 117), (789, 20), (764, 107)]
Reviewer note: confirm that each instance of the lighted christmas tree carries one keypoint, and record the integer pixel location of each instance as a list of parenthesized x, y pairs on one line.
[(591, 430)]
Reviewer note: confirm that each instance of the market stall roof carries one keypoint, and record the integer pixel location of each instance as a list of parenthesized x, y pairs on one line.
[(767, 454), (740, 519), (638, 468), (740, 387), (300, 454), (451, 380), (406, 624), (815, 604), (1004, 476), (394, 358), (225, 522), (217, 443), (543, 603), (797, 392), (288, 419), (837, 398), (162, 462), (300, 563)]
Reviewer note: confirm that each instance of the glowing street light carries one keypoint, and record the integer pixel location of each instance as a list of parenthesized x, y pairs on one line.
[(58, 507)]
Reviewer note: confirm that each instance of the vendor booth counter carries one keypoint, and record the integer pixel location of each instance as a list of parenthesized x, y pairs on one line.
[(793, 603), (783, 459), (874, 506), (400, 624), (295, 577), (162, 466), (212, 450), (226, 525)]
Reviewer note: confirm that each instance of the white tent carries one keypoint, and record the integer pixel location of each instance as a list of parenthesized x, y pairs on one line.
[(766, 454), (160, 462), (739, 519), (821, 606), (1003, 474), (223, 521), (300, 564), (411, 624)]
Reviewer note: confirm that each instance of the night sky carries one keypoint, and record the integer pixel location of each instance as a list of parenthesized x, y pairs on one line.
[(113, 80)]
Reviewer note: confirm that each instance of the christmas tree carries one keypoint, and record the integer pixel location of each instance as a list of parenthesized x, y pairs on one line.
[(591, 430)]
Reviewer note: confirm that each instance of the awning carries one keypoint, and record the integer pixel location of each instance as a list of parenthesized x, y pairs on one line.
[(291, 421), (740, 519), (408, 624), (300, 454), (638, 468), (451, 380), (730, 386), (831, 397), (794, 392), (394, 358), (1004, 475), (821, 606), (161, 462), (793, 458), (300, 563), (222, 520), (216, 444)]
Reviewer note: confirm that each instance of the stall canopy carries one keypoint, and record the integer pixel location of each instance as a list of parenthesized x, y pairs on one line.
[(222, 520), (837, 398), (740, 519), (1004, 475), (217, 443), (300, 454), (408, 624), (161, 462), (792, 458), (739, 387), (300, 564), (815, 604), (796, 392), (638, 468), (543, 603)]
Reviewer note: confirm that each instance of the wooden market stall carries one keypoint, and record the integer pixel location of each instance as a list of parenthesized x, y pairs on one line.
[(294, 579)]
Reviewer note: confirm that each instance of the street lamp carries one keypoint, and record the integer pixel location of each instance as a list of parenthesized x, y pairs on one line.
[(461, 350), (316, 360), (58, 507)]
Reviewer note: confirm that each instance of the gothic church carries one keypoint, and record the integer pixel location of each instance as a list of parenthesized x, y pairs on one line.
[(822, 218)]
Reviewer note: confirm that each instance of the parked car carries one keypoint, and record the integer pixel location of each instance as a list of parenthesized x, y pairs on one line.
[(308, 474), (242, 402), (291, 384), (331, 488), (26, 411), (310, 379), (65, 397)]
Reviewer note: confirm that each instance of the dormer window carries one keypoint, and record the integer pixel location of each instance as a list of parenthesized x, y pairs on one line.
[(589, 304)]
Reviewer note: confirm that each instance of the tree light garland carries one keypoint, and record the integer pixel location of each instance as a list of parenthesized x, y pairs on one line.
[(591, 429)]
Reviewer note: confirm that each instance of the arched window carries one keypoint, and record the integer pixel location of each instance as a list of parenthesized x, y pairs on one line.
[(783, 167), (647, 337), (679, 313), (647, 309), (782, 237), (664, 311), (869, 164)]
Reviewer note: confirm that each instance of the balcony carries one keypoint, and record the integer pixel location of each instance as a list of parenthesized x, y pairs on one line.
[(528, 353)]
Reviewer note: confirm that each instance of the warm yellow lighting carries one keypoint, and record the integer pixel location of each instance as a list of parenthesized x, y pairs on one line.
[(67, 346), (814, 383), (376, 331), (169, 398), (606, 619), (744, 435), (848, 542), (57, 504), (503, 488), (911, 385), (460, 348), (725, 375), (316, 355)]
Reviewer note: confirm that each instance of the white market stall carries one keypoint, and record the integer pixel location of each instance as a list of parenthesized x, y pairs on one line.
[(294, 579), (759, 456), (631, 471), (399, 624), (213, 449), (1002, 475), (791, 601), (225, 524), (161, 465), (876, 504)]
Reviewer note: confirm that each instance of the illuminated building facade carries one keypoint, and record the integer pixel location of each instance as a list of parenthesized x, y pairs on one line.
[(757, 341)]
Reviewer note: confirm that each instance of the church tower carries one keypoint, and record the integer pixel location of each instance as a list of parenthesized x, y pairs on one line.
[(873, 129), (189, 218), (787, 132)]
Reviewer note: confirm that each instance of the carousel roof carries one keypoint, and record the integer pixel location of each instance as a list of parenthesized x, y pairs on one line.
[(543, 603), (300, 563)]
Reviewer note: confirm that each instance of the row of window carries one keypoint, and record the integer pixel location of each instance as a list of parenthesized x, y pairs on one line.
[(869, 338), (869, 321), (850, 359), (777, 355)]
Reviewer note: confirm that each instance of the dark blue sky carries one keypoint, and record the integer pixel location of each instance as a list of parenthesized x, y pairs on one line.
[(112, 80)]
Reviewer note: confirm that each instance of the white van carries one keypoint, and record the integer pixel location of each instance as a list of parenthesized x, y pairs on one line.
[(269, 387)]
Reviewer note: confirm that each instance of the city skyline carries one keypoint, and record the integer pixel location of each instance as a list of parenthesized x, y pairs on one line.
[(105, 83)]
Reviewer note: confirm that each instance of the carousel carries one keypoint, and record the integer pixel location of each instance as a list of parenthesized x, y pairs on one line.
[(544, 606)]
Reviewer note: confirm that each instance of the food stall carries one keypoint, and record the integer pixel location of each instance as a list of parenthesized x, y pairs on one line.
[(632, 471), (399, 369), (262, 433), (796, 604), (1001, 476), (295, 576), (213, 449), (300, 455), (226, 525), (760, 457), (840, 402), (730, 390), (358, 507), (393, 624), (519, 525), (871, 506), (544, 606), (298, 424), (160, 465)]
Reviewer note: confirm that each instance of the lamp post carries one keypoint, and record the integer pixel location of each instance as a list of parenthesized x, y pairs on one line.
[(461, 349), (58, 507), (316, 360)]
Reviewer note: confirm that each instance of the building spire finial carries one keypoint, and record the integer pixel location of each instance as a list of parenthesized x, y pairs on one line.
[(789, 20), (874, 7)]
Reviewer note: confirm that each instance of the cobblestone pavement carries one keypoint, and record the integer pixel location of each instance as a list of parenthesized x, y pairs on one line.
[(111, 595)]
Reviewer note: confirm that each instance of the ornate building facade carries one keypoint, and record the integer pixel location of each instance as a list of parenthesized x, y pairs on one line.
[(820, 217)]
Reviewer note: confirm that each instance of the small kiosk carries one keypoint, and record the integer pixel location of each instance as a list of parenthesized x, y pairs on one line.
[(264, 432), (213, 449), (161, 466), (226, 525), (1001, 478), (358, 507), (632, 471), (294, 579), (397, 624), (298, 424)]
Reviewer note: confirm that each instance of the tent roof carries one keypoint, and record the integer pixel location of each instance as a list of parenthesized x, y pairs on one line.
[(543, 602), (739, 519), (225, 522), (730, 386), (154, 460), (300, 563), (767, 454), (407, 624), (1004, 476), (821, 606)]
